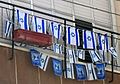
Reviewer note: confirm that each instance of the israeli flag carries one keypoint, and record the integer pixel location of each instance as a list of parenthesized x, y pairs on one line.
[(57, 67), (35, 56), (113, 52), (81, 72), (94, 56), (23, 20), (8, 28), (89, 41), (91, 75), (57, 48), (69, 71), (81, 54), (39, 25), (56, 29), (71, 56), (100, 71), (72, 36), (44, 58), (103, 42)]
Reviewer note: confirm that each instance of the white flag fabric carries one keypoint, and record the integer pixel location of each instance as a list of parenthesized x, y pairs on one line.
[(113, 52), (81, 54), (91, 75), (39, 25), (43, 61), (23, 20), (103, 42), (69, 70), (94, 56), (8, 28), (72, 36), (71, 56), (89, 41), (57, 48), (56, 29)]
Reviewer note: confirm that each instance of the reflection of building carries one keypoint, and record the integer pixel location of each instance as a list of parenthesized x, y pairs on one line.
[(20, 71)]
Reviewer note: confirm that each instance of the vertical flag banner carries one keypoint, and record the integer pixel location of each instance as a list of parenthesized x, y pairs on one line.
[(57, 48), (103, 42), (81, 72), (35, 56), (100, 71), (94, 56), (39, 25), (57, 67), (43, 61), (113, 52), (89, 41), (91, 75), (56, 29), (71, 56), (81, 54), (70, 70), (72, 36), (8, 28), (23, 20)]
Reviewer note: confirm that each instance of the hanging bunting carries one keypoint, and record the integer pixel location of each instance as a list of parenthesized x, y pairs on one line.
[(94, 56), (23, 20), (39, 25), (100, 71), (71, 56), (103, 42), (81, 72), (89, 41), (57, 66), (57, 48), (81, 54), (113, 52), (72, 36), (91, 75), (55, 29)]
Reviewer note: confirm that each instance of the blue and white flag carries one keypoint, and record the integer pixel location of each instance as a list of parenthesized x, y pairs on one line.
[(113, 52), (94, 56), (35, 56), (72, 36), (43, 61), (71, 56), (39, 25), (23, 20), (57, 67), (69, 71), (81, 72), (56, 29), (8, 28), (100, 71), (103, 42), (81, 54), (57, 48), (91, 75), (89, 41)]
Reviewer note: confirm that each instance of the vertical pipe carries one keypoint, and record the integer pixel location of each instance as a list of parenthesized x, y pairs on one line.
[(112, 67), (65, 48), (13, 25)]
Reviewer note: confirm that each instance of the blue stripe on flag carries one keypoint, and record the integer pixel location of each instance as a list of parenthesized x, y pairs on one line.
[(18, 15), (52, 28), (59, 31), (106, 39), (100, 44), (43, 26), (45, 62), (76, 37), (93, 40), (85, 39), (35, 23), (25, 21), (69, 35)]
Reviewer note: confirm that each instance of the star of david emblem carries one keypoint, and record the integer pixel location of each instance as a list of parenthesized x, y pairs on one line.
[(39, 27), (21, 20), (89, 38), (55, 27), (42, 60), (72, 34), (70, 56), (57, 66), (57, 46), (103, 41), (35, 57), (68, 69)]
